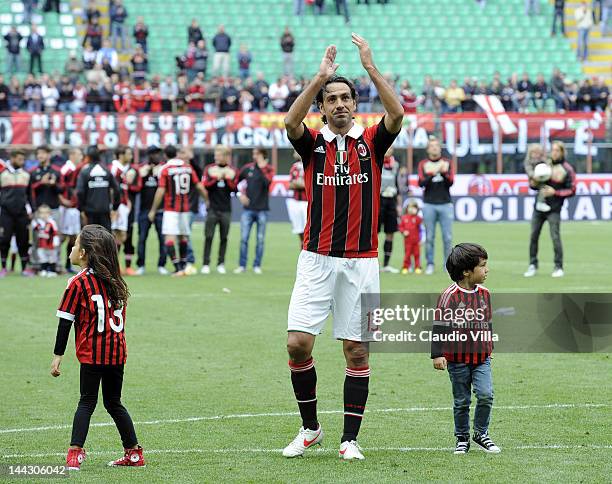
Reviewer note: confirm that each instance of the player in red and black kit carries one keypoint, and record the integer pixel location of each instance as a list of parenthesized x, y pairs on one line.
[(95, 302), (339, 260), (176, 180), (465, 313)]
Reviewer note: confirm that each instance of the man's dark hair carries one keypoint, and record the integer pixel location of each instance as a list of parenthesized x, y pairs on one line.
[(93, 154), (17, 152), (343, 80), (464, 257), (262, 151), (120, 151), (170, 151), (43, 148)]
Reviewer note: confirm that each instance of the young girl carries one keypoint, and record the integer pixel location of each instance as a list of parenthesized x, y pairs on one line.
[(95, 301), (410, 227)]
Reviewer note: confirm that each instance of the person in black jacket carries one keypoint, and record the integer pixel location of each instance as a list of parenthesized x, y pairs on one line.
[(436, 175), (561, 185), (35, 45), (15, 210), (13, 48), (148, 172), (97, 191), (220, 181), (559, 14)]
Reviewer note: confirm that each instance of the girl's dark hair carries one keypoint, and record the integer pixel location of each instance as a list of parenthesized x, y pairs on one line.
[(464, 257), (262, 151), (101, 250), (321, 93)]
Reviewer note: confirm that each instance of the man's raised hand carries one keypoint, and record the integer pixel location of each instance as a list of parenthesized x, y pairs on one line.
[(365, 53), (328, 66)]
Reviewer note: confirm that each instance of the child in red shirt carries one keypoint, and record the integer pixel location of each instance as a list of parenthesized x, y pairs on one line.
[(410, 227), (47, 241)]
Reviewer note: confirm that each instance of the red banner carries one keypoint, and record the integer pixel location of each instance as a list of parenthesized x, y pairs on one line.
[(465, 133)]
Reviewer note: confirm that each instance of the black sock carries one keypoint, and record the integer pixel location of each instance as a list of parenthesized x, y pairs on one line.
[(128, 260), (304, 381), (24, 262), (171, 251), (355, 398), (4, 262), (13, 261), (388, 248), (183, 253)]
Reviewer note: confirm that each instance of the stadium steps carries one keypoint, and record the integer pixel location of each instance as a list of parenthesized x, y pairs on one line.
[(599, 62), (81, 22), (59, 32), (405, 35)]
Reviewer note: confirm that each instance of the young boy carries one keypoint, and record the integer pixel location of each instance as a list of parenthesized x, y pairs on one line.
[(410, 227), (47, 241), (469, 359)]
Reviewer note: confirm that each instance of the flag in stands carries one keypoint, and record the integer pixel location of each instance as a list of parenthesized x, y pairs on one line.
[(496, 113)]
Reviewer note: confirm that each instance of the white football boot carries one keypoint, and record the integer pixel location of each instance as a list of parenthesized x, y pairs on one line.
[(305, 439)]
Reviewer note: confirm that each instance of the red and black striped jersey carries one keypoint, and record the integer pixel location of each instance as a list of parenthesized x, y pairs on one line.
[(98, 324), (296, 172), (178, 178), (342, 185), (47, 233), (463, 333), (68, 182)]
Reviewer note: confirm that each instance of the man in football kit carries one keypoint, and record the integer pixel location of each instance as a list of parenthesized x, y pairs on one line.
[(70, 217), (297, 206), (128, 179), (176, 179), (339, 260)]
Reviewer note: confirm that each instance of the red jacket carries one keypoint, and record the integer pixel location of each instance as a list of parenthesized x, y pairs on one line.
[(412, 225)]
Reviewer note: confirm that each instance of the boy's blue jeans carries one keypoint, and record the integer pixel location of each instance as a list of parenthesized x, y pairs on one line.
[(465, 378)]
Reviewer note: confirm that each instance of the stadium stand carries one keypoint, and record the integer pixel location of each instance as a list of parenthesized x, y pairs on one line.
[(448, 38), (59, 32)]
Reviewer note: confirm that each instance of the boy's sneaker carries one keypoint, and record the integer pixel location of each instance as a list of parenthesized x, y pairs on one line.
[(349, 450), (3, 273), (404, 271), (558, 272), (140, 271), (463, 445), (74, 459), (257, 270), (429, 270), (129, 271), (418, 270), (190, 270), (28, 273), (162, 270), (179, 274), (486, 444), (389, 269), (305, 439), (239, 270), (131, 458), (42, 273), (51, 274), (531, 271), (221, 269), (205, 269)]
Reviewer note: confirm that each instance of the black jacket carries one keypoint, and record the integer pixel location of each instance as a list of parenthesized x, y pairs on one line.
[(97, 190), (44, 194)]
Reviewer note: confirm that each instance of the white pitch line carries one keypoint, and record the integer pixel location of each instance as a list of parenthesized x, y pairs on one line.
[(322, 451), (292, 414)]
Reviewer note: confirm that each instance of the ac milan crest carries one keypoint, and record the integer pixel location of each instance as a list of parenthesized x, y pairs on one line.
[(361, 149)]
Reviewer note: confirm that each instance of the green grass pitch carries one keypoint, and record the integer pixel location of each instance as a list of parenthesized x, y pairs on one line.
[(208, 386)]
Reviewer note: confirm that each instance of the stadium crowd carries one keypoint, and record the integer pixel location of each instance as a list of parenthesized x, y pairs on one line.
[(97, 80)]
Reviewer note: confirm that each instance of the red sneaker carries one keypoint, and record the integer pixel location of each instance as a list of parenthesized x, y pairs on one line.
[(131, 458), (130, 271), (74, 459)]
